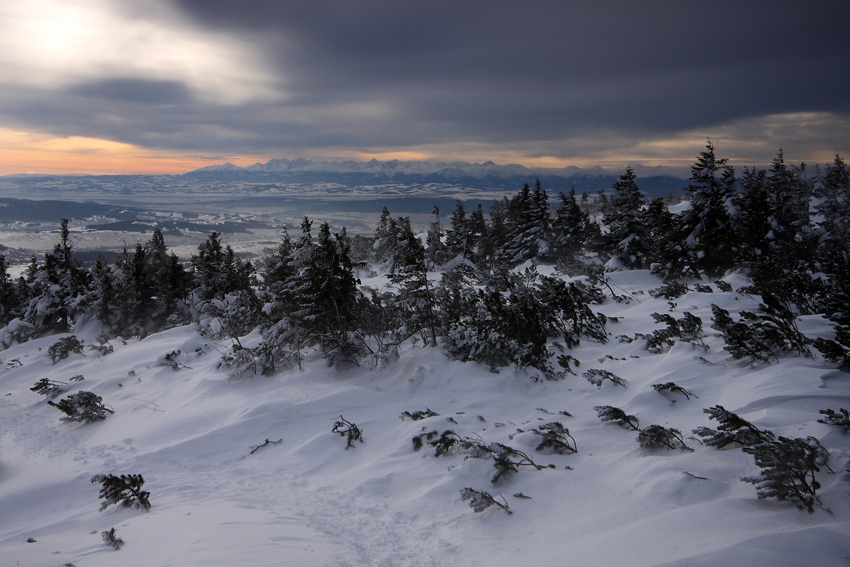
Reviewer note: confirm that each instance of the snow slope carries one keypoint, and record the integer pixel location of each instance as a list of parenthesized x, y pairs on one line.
[(308, 501)]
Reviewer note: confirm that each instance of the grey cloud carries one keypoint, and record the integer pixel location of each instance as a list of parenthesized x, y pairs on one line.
[(380, 74), (134, 90)]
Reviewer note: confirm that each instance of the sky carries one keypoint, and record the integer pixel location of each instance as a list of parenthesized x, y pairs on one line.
[(166, 86)]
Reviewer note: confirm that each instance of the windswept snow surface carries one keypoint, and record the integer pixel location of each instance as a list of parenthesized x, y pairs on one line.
[(309, 501)]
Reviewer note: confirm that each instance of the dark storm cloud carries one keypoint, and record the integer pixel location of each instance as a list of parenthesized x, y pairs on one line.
[(383, 74), (134, 90)]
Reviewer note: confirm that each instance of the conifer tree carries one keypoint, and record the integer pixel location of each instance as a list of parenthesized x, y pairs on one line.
[(705, 229)]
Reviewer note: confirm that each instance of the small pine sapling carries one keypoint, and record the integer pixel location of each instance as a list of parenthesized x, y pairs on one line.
[(480, 500), (723, 286), (109, 538), (840, 418), (671, 290), (597, 376), (348, 430), (618, 416), (508, 459), (418, 414), (82, 406), (64, 347), (125, 490), (47, 387), (557, 437), (732, 429), (660, 437), (788, 470), (672, 387)]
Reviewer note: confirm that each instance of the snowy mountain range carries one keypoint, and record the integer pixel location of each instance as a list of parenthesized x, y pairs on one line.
[(487, 175)]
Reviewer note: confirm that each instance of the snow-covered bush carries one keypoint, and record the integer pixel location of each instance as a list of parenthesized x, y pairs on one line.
[(125, 490), (660, 437), (112, 540), (597, 376), (788, 470), (618, 416), (16, 332), (761, 336), (63, 348), (840, 418), (732, 429), (557, 437), (47, 387), (82, 406), (480, 500)]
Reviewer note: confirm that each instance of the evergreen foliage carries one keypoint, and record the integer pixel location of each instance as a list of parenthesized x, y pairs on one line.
[(125, 490), (597, 377), (660, 437), (840, 419), (556, 437), (788, 470), (761, 336), (480, 500), (688, 329), (618, 416), (47, 387), (83, 406), (112, 540), (731, 429), (64, 347), (674, 388), (418, 415)]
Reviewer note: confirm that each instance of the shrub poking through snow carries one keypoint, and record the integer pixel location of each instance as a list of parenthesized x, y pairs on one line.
[(671, 290), (82, 406), (444, 444), (672, 387), (597, 376), (688, 329), (788, 470), (618, 416), (112, 540), (418, 415), (761, 336), (557, 437), (507, 460), (348, 430), (125, 490), (64, 347), (840, 418), (480, 500), (660, 437), (47, 387), (731, 429)]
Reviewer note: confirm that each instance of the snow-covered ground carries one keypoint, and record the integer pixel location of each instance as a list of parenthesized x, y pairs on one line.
[(309, 501)]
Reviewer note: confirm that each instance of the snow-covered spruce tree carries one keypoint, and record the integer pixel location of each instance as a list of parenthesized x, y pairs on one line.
[(416, 296), (788, 470), (83, 406), (434, 240), (125, 490), (834, 260), (527, 225), (56, 286), (626, 231), (705, 229), (9, 303), (217, 270), (572, 228)]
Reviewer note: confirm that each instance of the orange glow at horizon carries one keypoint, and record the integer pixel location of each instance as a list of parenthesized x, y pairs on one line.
[(27, 152)]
